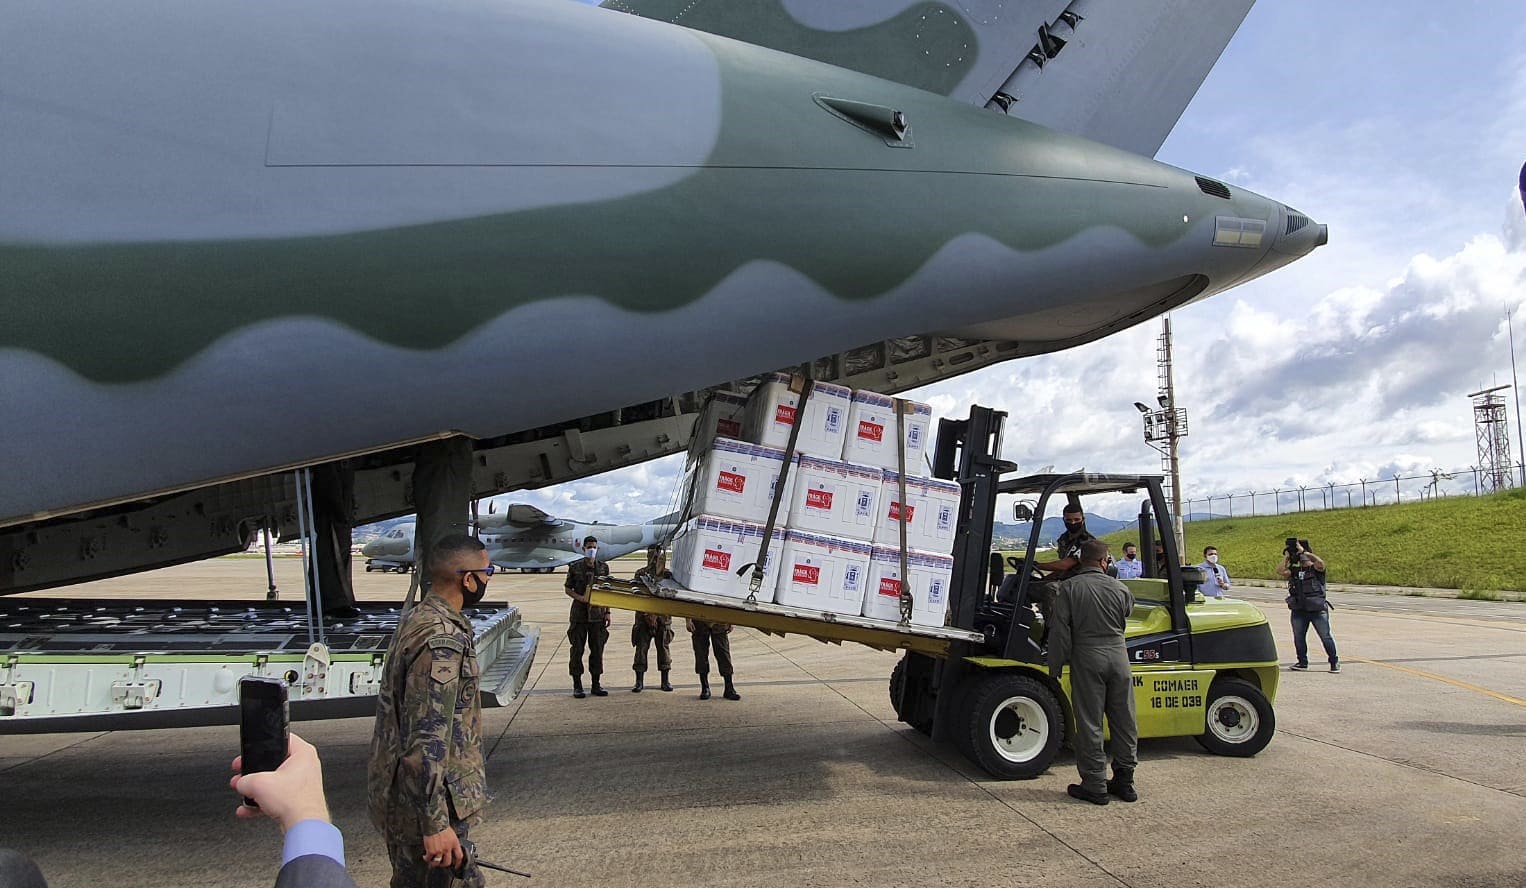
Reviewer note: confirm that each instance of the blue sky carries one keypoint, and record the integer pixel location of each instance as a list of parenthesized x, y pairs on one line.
[(1401, 127)]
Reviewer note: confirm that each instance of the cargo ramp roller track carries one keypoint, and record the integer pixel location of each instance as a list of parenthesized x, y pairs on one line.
[(70, 665), (672, 600)]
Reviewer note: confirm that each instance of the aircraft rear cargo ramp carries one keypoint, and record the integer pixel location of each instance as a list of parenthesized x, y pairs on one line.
[(69, 665)]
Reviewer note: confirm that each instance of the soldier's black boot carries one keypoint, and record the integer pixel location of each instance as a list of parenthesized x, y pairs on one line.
[(1122, 784), (577, 687), (598, 691), (640, 683), (1077, 791), (731, 692), (666, 685), (704, 687)]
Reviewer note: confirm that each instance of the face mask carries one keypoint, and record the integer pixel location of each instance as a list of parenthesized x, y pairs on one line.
[(468, 597), (1078, 527), (1214, 558), (591, 552), (1129, 555)]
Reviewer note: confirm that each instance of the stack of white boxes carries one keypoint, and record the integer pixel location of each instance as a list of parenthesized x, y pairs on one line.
[(733, 484), (836, 541)]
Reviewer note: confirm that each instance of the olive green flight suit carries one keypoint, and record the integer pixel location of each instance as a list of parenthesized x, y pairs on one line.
[(1086, 632)]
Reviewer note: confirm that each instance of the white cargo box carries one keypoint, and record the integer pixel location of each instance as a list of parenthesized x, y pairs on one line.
[(823, 573), (930, 575), (736, 480), (708, 551), (835, 498), (771, 411), (721, 418), (933, 510), (872, 429)]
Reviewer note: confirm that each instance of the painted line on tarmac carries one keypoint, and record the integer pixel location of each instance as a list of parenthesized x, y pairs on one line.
[(1457, 683)]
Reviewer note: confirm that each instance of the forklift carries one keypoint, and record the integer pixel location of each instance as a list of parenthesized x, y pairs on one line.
[(1205, 668), (1201, 668)]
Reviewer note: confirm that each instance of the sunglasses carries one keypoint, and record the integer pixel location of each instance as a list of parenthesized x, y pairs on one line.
[(489, 570)]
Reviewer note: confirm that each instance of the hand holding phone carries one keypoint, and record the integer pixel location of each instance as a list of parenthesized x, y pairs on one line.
[(263, 719), (290, 794)]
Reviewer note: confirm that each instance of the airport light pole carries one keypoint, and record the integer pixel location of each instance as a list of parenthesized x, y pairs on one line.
[(1163, 429)]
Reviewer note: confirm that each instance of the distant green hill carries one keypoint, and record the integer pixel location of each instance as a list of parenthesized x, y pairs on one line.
[(1458, 543)]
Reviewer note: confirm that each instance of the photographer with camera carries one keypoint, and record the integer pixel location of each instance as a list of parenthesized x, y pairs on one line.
[(1305, 573)]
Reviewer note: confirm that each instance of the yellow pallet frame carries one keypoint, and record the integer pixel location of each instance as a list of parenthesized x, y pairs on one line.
[(777, 619)]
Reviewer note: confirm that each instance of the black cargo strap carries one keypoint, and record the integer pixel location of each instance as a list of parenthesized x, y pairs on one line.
[(900, 459), (757, 567)]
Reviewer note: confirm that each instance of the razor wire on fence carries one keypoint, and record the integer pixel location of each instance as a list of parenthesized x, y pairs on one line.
[(1437, 483)]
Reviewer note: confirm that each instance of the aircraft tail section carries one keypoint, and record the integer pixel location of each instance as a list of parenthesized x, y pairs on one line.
[(1126, 70), (1115, 71)]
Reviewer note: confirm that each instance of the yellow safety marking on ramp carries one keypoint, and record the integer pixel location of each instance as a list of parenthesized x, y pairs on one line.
[(1441, 678)]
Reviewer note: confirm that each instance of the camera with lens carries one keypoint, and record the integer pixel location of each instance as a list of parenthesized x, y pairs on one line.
[(1290, 546)]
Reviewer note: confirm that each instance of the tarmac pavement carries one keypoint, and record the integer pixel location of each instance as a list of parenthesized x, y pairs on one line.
[(1406, 769)]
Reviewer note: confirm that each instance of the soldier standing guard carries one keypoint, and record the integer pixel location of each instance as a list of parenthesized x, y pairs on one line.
[(426, 782), (705, 636), (587, 624), (653, 627)]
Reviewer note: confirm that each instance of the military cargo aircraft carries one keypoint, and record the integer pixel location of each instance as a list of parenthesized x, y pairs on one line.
[(612, 212), (525, 538)]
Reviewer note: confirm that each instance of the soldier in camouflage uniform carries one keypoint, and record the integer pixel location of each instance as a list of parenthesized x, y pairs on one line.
[(705, 636), (427, 781), (653, 627), (587, 624)]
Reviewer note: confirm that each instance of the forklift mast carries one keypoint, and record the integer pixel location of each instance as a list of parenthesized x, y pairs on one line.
[(967, 451)]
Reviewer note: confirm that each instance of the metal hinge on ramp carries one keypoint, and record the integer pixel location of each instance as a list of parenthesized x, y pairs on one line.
[(315, 671), (135, 692), (14, 695), (368, 682)]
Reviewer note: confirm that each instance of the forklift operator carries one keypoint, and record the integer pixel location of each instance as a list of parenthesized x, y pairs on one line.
[(1068, 546)]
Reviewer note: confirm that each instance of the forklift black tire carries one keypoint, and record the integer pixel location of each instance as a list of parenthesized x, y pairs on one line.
[(897, 679), (1013, 725), (1239, 719)]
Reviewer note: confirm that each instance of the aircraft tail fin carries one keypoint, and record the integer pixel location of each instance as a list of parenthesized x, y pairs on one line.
[(1115, 71)]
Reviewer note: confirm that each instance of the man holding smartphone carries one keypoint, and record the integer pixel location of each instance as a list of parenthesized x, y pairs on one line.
[(427, 781)]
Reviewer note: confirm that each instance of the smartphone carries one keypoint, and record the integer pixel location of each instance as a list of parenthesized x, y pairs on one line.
[(263, 717)]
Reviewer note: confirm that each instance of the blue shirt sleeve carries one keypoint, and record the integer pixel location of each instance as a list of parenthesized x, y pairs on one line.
[(313, 837)]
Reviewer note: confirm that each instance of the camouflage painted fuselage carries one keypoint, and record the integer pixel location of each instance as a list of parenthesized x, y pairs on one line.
[(216, 218)]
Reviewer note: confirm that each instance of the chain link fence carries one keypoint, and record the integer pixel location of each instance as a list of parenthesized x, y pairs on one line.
[(1471, 481)]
